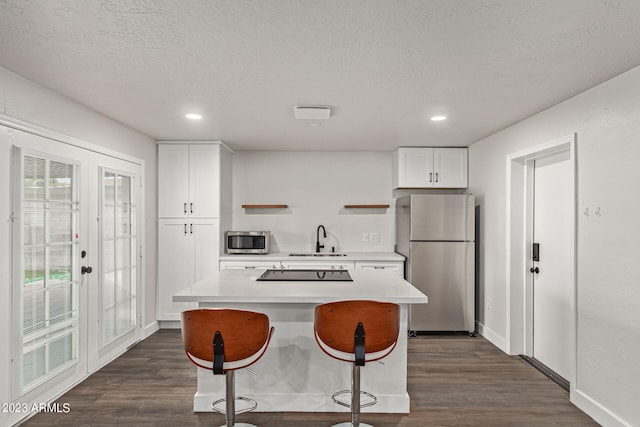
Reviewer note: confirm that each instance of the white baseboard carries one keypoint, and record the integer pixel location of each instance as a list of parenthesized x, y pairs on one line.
[(150, 329), (169, 324), (599, 413), (492, 337)]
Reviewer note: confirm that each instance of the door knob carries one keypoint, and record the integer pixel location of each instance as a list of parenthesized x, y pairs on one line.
[(85, 269), (534, 270)]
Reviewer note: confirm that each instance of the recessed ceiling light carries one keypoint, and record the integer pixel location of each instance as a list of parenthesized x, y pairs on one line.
[(438, 118), (193, 116)]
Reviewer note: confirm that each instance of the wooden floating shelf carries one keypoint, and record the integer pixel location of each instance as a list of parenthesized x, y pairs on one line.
[(366, 206), (265, 206)]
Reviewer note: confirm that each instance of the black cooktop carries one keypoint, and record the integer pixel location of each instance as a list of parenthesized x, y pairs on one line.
[(305, 276)]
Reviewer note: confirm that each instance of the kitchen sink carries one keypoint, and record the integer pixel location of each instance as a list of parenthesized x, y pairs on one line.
[(317, 254)]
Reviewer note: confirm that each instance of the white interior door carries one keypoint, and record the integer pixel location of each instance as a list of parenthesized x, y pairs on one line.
[(552, 273)]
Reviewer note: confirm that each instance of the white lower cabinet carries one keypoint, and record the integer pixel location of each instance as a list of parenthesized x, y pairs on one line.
[(188, 251), (319, 265), (283, 263), (240, 265), (398, 267)]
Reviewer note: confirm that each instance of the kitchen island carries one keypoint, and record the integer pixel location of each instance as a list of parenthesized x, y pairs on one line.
[(294, 374)]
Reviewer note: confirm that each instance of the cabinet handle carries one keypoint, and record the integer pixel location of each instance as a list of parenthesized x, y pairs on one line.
[(377, 267), (436, 176), (185, 229), (430, 176), (191, 228), (185, 207), (191, 207), (248, 267)]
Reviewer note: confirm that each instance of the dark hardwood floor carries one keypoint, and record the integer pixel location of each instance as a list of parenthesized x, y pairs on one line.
[(453, 381)]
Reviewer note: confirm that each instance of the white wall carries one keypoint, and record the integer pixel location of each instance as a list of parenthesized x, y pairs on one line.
[(29, 102), (315, 186), (607, 122)]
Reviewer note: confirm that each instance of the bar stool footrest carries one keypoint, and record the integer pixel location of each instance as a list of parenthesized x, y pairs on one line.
[(253, 405), (350, 424), (373, 401)]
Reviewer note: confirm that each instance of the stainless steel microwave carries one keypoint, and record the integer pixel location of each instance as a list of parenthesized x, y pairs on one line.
[(248, 242)]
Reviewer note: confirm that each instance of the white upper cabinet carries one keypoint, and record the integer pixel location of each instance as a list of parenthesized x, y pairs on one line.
[(450, 166), (188, 180), (425, 167)]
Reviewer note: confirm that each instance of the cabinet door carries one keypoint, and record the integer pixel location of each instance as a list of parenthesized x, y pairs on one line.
[(241, 265), (205, 235), (398, 267), (414, 168), (173, 180), (450, 167), (175, 269), (204, 181), (319, 265)]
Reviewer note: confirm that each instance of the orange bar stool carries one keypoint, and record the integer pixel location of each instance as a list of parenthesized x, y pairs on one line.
[(222, 341), (357, 332)]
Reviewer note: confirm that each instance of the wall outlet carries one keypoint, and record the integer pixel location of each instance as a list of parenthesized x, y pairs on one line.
[(374, 237), (365, 237)]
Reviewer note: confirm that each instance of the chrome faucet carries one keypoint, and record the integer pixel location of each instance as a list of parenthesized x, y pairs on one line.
[(324, 234)]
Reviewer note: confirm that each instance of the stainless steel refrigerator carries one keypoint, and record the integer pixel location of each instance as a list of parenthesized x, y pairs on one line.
[(436, 233)]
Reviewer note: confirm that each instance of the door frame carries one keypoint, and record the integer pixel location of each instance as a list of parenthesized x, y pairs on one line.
[(519, 236)]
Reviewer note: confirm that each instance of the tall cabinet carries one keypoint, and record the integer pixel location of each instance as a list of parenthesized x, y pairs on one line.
[(194, 207)]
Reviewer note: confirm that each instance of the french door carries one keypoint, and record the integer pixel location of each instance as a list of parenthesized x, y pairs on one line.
[(114, 290), (75, 250)]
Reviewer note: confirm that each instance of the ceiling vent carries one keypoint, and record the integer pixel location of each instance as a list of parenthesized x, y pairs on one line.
[(311, 113)]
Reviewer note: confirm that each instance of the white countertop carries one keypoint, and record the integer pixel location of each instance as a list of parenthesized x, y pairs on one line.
[(240, 286), (350, 256)]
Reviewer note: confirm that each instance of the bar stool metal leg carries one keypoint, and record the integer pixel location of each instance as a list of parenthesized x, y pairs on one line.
[(355, 406), (231, 399), (355, 396), (230, 403)]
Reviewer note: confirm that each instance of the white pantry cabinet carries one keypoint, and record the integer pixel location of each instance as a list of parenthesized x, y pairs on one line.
[(188, 251), (194, 208), (427, 167), (188, 180)]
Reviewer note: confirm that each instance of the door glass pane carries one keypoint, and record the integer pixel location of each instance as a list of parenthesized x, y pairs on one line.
[(60, 188), (118, 248), (49, 288)]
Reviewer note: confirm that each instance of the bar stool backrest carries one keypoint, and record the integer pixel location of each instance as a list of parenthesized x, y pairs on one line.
[(336, 322), (245, 334)]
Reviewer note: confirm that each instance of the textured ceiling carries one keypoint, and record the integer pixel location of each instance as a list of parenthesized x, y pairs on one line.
[(383, 66)]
